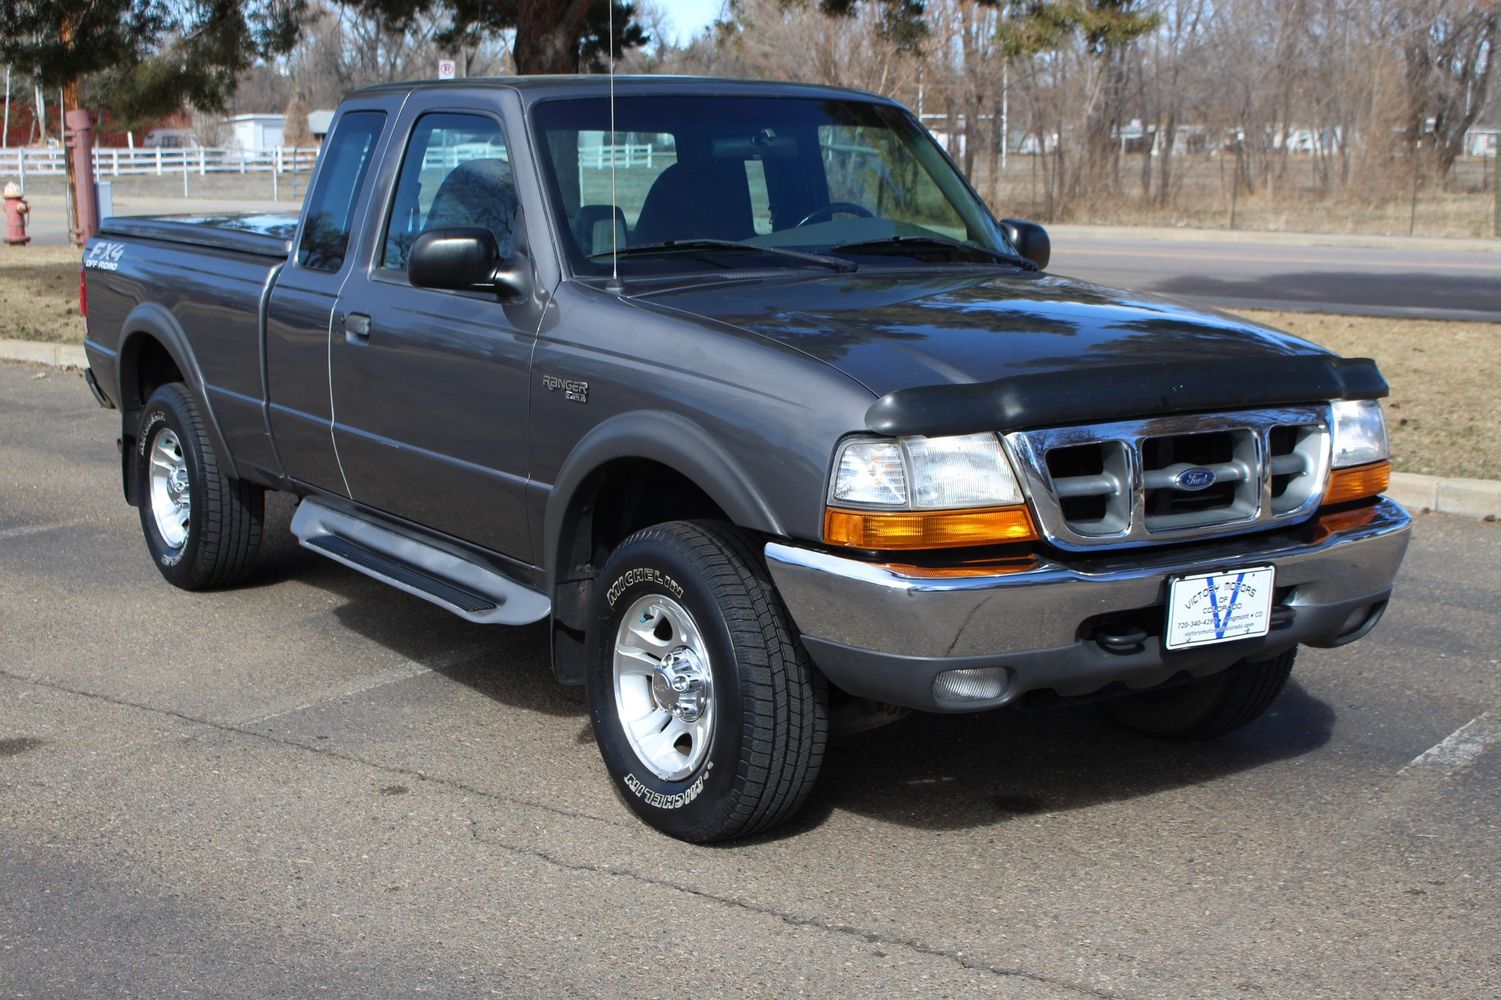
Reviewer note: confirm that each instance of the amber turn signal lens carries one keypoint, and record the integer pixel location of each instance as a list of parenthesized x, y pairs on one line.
[(885, 530), (1358, 483)]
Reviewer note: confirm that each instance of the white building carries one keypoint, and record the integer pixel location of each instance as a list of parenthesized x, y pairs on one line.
[(318, 123), (254, 133)]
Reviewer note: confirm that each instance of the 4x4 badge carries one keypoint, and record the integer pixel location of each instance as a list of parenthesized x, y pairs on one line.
[(573, 390)]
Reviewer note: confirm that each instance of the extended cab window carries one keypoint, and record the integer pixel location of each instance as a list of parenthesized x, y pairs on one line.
[(330, 208), (456, 172)]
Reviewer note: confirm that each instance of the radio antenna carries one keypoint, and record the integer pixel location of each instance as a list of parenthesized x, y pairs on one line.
[(614, 206)]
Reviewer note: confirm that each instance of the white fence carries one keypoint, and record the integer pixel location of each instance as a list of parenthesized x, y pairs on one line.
[(619, 156), (109, 162)]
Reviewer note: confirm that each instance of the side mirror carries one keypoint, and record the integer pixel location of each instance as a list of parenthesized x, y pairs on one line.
[(464, 259), (1030, 240)]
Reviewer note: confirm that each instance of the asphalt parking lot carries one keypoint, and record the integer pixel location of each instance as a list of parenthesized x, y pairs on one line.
[(316, 786)]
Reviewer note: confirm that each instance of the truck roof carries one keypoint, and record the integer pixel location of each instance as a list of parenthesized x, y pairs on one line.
[(535, 88)]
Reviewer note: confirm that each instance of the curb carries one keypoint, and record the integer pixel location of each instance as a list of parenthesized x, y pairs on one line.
[(41, 353), (1469, 497)]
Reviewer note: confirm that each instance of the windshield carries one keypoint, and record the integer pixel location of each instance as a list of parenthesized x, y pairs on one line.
[(814, 175)]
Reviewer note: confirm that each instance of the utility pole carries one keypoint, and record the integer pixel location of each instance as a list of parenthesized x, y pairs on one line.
[(1005, 111), (68, 101), (5, 131)]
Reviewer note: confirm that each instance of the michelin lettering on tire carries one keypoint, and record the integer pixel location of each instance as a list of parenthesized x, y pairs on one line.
[(155, 419), (663, 801), (642, 574), (152, 419)]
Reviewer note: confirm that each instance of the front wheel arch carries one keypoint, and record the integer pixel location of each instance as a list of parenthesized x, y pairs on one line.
[(666, 439)]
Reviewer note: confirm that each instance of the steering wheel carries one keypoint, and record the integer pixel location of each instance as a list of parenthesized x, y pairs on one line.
[(832, 209)]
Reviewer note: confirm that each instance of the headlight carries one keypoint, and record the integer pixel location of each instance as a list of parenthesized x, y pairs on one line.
[(871, 474), (925, 493), (1361, 453), (924, 473), (1359, 433)]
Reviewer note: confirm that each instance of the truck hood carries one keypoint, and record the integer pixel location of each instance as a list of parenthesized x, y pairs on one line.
[(897, 330)]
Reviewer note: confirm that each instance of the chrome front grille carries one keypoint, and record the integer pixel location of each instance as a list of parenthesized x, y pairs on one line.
[(1143, 481)]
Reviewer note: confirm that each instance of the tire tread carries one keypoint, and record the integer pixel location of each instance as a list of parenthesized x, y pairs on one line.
[(232, 512), (784, 746)]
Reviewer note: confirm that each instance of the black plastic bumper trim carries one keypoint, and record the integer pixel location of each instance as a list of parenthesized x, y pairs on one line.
[(1081, 668)]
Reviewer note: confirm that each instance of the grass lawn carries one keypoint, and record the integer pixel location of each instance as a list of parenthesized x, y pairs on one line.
[(1444, 410), (39, 294)]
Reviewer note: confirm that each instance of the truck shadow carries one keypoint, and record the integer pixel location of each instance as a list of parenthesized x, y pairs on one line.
[(959, 772), (927, 771), (507, 664)]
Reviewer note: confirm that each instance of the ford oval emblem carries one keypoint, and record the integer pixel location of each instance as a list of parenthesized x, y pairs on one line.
[(1195, 479)]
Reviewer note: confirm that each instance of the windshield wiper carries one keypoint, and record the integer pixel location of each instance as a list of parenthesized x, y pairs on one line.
[(917, 244), (673, 246)]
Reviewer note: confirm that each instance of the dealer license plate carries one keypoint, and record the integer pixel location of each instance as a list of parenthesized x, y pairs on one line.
[(1218, 607)]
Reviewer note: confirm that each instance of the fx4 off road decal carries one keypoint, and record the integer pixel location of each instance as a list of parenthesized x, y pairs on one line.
[(104, 256)]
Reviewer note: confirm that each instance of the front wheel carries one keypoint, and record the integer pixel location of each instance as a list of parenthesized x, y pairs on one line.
[(202, 527), (1206, 708), (708, 714)]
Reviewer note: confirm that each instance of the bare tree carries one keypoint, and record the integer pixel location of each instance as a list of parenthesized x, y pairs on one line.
[(295, 131), (1447, 46)]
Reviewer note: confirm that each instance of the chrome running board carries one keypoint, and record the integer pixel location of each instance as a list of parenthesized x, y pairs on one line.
[(408, 563)]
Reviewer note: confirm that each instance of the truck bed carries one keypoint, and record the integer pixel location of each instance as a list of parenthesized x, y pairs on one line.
[(263, 235), (196, 284)]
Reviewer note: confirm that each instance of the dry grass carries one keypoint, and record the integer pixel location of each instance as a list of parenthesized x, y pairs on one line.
[(1444, 411), (1464, 206), (39, 294), (1445, 408)]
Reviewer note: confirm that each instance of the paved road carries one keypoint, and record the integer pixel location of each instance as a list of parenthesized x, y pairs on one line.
[(313, 786), (1413, 279)]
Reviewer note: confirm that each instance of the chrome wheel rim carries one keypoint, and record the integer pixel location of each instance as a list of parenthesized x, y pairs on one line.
[(171, 497), (664, 690)]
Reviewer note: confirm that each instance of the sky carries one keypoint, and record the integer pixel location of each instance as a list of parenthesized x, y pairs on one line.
[(690, 16)]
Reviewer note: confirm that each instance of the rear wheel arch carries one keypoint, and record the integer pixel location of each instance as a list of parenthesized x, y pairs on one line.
[(154, 352)]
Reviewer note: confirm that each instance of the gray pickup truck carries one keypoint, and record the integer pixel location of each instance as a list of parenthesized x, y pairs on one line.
[(742, 387)]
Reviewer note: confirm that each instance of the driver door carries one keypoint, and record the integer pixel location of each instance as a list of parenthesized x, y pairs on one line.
[(430, 386)]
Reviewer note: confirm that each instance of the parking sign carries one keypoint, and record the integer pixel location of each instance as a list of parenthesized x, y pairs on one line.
[(446, 69)]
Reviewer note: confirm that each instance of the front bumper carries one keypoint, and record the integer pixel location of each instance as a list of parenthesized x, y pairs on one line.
[(1074, 627)]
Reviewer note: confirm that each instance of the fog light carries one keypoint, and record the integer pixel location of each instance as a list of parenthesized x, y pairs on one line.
[(970, 684), (1354, 620)]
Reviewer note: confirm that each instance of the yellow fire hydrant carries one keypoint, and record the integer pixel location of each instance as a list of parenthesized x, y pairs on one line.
[(16, 211)]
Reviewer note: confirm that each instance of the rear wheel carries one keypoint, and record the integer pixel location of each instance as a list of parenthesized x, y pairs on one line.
[(1208, 707), (202, 527), (710, 719)]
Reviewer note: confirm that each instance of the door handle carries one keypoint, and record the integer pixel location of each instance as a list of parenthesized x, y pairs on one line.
[(357, 328)]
